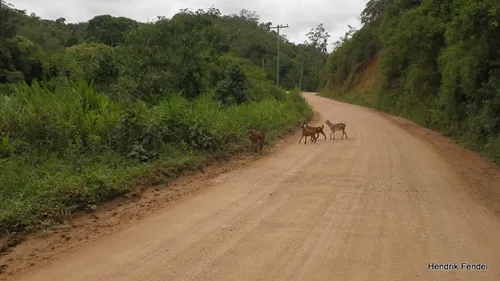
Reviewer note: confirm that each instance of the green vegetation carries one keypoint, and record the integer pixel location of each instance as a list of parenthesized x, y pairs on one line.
[(89, 109), (438, 63)]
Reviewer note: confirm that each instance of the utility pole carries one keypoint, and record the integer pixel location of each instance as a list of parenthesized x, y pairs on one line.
[(278, 52), (301, 72)]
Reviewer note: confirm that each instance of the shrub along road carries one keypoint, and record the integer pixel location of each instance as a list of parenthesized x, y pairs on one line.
[(380, 205)]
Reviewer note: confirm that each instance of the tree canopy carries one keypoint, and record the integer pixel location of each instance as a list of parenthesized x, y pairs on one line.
[(177, 52)]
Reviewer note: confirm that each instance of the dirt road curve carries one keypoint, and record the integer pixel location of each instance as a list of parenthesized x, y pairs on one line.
[(381, 205)]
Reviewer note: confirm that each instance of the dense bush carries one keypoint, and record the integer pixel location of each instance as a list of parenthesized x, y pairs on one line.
[(75, 147)]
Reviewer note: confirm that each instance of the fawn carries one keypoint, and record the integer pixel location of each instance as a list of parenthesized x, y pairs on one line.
[(257, 137), (319, 130), (336, 127), (307, 132)]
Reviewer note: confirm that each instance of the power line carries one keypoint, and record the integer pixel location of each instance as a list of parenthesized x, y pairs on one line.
[(278, 27)]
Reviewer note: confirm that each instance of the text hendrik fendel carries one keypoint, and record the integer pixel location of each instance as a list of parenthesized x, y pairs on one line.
[(458, 266)]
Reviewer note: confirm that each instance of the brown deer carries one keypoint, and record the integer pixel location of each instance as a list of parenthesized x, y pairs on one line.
[(336, 127), (257, 137), (319, 130), (307, 132)]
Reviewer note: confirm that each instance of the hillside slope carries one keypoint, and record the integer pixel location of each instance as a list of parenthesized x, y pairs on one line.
[(437, 63), (364, 88)]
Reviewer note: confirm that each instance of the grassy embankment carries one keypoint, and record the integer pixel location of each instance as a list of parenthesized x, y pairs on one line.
[(74, 147)]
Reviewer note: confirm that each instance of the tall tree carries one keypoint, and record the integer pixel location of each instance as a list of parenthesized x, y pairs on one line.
[(109, 30), (319, 38), (374, 11), (7, 27)]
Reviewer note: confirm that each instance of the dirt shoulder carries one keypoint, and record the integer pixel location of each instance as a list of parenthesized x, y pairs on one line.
[(482, 176)]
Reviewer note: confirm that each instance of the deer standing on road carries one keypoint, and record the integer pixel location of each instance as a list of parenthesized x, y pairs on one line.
[(318, 130), (336, 127), (307, 132), (257, 137)]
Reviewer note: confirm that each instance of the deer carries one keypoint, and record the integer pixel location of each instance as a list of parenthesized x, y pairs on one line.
[(336, 127), (319, 130), (257, 137), (307, 132)]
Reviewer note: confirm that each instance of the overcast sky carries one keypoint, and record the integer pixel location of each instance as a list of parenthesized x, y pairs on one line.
[(300, 15)]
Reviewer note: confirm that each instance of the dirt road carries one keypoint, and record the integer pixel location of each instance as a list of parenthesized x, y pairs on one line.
[(380, 205)]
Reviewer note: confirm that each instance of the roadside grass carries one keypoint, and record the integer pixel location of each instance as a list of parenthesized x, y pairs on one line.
[(69, 148)]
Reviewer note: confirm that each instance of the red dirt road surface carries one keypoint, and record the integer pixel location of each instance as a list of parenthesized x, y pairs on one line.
[(384, 204)]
